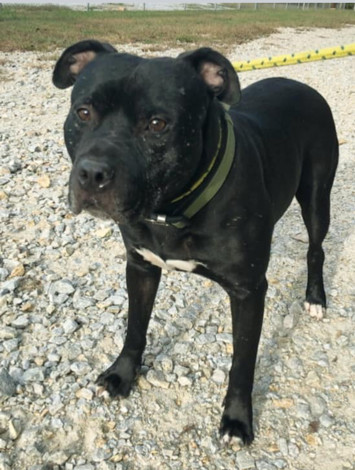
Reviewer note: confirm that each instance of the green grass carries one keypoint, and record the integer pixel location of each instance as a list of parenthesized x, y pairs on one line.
[(46, 28)]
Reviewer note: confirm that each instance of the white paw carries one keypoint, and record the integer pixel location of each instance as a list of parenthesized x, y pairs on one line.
[(226, 439), (102, 393), (315, 310)]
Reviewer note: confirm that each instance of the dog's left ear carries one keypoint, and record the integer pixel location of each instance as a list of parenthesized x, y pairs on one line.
[(217, 72), (75, 58)]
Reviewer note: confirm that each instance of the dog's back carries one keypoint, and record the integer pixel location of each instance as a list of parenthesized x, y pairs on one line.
[(294, 127)]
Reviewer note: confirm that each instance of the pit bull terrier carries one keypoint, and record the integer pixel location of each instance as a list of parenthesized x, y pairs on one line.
[(196, 175)]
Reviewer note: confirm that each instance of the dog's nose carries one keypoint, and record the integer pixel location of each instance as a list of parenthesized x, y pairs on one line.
[(93, 175)]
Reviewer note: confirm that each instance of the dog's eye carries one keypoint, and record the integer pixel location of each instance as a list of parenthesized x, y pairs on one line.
[(84, 114), (157, 125)]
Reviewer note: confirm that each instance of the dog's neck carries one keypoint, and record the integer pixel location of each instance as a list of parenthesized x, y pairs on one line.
[(212, 172)]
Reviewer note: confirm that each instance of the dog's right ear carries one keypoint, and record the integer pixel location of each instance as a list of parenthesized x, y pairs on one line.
[(75, 58), (217, 72)]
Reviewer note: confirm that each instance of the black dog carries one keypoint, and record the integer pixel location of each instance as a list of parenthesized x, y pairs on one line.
[(197, 178)]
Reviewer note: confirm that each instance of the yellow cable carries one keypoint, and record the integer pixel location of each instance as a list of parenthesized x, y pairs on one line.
[(298, 58)]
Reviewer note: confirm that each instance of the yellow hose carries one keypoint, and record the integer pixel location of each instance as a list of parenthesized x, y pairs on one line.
[(298, 58)]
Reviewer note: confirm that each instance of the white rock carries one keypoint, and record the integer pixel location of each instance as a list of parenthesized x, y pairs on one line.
[(184, 381), (218, 376), (15, 429), (70, 326), (63, 287)]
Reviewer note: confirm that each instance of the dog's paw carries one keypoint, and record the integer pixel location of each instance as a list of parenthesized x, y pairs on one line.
[(234, 430), (113, 384), (118, 379), (315, 310)]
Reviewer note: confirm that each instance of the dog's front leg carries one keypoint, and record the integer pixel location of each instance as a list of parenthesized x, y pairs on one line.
[(247, 317), (142, 285)]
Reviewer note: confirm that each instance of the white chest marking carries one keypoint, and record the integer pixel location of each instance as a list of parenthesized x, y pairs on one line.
[(169, 264)]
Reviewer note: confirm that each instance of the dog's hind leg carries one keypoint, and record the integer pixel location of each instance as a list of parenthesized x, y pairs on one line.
[(313, 196)]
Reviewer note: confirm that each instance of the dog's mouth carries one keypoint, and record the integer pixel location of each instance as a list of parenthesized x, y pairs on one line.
[(123, 202), (102, 205)]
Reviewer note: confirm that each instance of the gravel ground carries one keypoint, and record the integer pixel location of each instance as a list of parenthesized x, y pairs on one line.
[(63, 309)]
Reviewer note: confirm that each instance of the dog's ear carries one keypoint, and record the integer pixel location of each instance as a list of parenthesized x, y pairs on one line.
[(217, 72), (75, 58)]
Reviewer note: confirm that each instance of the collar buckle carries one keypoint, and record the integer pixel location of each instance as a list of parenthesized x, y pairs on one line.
[(159, 219), (162, 219)]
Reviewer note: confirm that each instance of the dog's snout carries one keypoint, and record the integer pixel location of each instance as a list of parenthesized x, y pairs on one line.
[(93, 175)]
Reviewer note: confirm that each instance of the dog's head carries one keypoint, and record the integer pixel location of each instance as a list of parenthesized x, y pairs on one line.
[(137, 128)]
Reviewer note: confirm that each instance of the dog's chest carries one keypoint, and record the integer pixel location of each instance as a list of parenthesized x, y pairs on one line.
[(168, 264)]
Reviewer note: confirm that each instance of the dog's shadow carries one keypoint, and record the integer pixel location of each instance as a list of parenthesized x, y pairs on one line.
[(287, 276)]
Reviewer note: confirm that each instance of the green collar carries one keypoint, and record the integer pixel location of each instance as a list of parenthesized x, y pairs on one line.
[(202, 191)]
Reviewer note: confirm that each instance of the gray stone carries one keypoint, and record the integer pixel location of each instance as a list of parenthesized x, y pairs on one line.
[(293, 450), (225, 338), (5, 462), (88, 466), (72, 351), (326, 420), (165, 363), (58, 299), (81, 303), (16, 373), (182, 348), (3, 274), (206, 338), (102, 453), (7, 383), (58, 458), (157, 379), (36, 374), (9, 286), (21, 322), (53, 357), (280, 463), (80, 368), (262, 465), (70, 326), (62, 287), (15, 166), (289, 322), (245, 460), (302, 411), (117, 299), (181, 371), (11, 344), (6, 332), (318, 406), (58, 340), (4, 421), (282, 443), (296, 310)]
